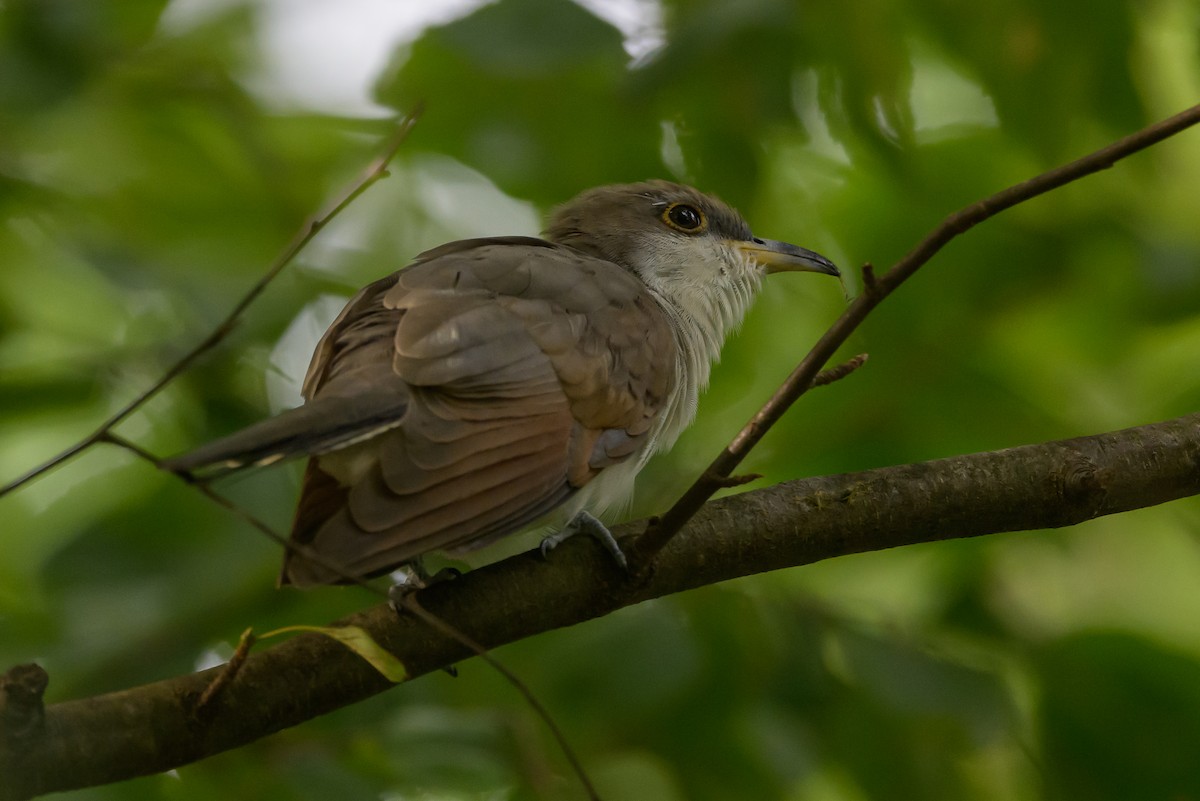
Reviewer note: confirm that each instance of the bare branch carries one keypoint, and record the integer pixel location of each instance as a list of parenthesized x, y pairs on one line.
[(877, 288), (152, 728)]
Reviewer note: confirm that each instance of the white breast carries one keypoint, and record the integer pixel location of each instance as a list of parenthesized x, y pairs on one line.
[(706, 292)]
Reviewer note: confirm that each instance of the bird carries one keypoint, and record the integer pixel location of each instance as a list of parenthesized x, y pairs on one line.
[(496, 383)]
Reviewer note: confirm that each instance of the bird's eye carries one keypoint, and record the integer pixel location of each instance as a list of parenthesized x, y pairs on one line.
[(683, 217)]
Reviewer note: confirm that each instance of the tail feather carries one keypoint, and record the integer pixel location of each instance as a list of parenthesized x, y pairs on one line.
[(320, 426)]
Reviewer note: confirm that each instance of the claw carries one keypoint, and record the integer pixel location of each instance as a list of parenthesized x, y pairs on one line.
[(584, 523), (413, 577)]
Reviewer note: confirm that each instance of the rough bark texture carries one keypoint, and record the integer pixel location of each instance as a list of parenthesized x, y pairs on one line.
[(153, 728)]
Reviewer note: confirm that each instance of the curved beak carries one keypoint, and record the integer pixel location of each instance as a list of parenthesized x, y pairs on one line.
[(781, 257)]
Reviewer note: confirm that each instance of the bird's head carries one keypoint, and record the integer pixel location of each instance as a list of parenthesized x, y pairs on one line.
[(691, 249)]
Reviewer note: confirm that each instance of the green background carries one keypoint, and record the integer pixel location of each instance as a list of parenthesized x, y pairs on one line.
[(147, 180)]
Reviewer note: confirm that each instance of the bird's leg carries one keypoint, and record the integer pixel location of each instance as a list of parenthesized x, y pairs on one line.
[(584, 523)]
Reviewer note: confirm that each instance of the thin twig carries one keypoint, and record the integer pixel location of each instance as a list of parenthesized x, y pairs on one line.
[(376, 170), (838, 372), (412, 605), (655, 537)]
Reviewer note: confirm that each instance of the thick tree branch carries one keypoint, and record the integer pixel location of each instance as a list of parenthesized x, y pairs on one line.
[(156, 727)]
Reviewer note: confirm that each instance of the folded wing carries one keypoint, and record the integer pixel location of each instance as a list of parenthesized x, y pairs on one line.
[(523, 369)]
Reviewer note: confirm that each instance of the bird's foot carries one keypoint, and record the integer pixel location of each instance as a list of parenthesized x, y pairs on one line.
[(584, 523), (413, 577)]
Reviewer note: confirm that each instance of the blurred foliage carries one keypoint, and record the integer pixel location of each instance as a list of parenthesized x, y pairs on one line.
[(148, 175)]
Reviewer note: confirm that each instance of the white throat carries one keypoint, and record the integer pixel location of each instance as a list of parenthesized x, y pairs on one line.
[(706, 288)]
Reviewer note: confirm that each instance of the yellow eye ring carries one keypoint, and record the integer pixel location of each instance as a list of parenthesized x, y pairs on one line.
[(685, 217)]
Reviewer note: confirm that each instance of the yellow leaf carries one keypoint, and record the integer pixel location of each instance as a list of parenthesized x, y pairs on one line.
[(361, 643)]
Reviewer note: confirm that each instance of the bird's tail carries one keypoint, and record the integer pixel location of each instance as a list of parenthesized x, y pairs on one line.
[(320, 426)]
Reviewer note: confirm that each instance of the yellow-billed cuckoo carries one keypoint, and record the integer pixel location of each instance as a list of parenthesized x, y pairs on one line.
[(494, 381)]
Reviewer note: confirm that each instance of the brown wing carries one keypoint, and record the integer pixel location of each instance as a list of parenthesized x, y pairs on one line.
[(528, 367)]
